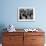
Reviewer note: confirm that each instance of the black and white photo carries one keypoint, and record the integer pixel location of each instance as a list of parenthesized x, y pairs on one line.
[(26, 14)]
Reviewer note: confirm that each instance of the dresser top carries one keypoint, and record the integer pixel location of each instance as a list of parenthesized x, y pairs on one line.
[(22, 30)]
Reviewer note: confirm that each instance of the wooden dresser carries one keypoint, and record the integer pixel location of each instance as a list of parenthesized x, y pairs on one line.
[(23, 39)]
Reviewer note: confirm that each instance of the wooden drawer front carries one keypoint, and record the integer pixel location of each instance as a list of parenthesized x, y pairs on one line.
[(27, 41), (37, 45), (17, 40), (13, 33), (37, 39), (34, 33), (5, 39), (18, 44)]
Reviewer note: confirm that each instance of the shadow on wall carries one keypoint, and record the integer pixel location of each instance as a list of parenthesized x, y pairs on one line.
[(2, 26)]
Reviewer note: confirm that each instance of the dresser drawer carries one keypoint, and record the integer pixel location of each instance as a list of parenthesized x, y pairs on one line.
[(37, 44), (37, 39), (13, 33), (13, 44), (12, 39), (27, 39), (34, 33)]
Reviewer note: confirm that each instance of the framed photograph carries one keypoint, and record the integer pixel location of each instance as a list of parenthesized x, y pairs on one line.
[(26, 14)]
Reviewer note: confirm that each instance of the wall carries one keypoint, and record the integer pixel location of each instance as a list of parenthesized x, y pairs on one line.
[(8, 13), (8, 9)]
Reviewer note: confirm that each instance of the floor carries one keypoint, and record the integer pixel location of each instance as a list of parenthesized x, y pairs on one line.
[(0, 44)]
